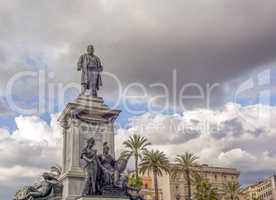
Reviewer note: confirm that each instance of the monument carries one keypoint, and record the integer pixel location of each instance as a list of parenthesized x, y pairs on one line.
[(89, 170)]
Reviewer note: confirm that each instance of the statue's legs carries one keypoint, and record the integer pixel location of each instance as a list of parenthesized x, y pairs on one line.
[(90, 182), (86, 189), (93, 186), (92, 81), (83, 88), (35, 194), (93, 92)]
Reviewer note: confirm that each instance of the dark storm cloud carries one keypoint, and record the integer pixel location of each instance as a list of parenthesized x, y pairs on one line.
[(233, 127), (186, 136), (255, 176), (143, 41)]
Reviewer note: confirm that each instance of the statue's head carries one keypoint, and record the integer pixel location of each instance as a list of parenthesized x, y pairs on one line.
[(50, 178), (90, 49), (47, 176), (106, 148), (90, 142)]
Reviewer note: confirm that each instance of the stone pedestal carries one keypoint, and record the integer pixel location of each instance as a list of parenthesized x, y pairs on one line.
[(82, 119), (103, 198)]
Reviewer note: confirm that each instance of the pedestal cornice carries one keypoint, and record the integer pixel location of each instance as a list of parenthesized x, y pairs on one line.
[(88, 109)]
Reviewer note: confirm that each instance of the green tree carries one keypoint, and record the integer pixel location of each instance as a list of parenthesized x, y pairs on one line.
[(155, 162), (231, 190), (204, 190), (135, 146), (184, 166), (133, 182)]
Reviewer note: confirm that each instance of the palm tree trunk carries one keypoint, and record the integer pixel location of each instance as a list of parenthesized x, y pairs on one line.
[(156, 196), (136, 168), (187, 172)]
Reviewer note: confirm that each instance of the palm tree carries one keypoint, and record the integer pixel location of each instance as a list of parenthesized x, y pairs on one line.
[(133, 182), (204, 190), (232, 190), (157, 163), (183, 166), (136, 145)]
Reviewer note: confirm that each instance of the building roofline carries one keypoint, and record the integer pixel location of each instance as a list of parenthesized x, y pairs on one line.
[(213, 167)]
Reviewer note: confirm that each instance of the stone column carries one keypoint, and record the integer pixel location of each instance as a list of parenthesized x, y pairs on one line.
[(82, 119)]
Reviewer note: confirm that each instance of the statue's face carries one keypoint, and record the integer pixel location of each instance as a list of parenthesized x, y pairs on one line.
[(45, 175), (90, 50), (106, 150), (91, 144)]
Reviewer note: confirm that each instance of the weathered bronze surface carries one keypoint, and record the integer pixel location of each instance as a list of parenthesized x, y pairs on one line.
[(90, 66)]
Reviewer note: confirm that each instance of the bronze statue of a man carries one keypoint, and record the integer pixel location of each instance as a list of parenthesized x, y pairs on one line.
[(90, 66)]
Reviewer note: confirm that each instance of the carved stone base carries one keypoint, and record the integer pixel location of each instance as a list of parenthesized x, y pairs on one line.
[(72, 187), (82, 119), (103, 198), (113, 191)]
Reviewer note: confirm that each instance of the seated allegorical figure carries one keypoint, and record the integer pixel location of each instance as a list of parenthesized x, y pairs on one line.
[(107, 164)]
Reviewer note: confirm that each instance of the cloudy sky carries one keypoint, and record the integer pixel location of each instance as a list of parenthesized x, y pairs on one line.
[(189, 75)]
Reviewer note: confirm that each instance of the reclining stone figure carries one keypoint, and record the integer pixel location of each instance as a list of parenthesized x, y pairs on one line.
[(48, 189)]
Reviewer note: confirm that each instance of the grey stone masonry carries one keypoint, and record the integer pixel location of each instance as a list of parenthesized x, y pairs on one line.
[(101, 198), (82, 119)]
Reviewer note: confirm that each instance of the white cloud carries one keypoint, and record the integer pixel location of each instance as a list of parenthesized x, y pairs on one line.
[(237, 157), (27, 152), (35, 130), (220, 138), (10, 175), (236, 136)]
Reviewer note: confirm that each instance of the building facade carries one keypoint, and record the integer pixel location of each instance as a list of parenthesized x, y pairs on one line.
[(148, 189), (250, 192), (177, 189), (263, 190)]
